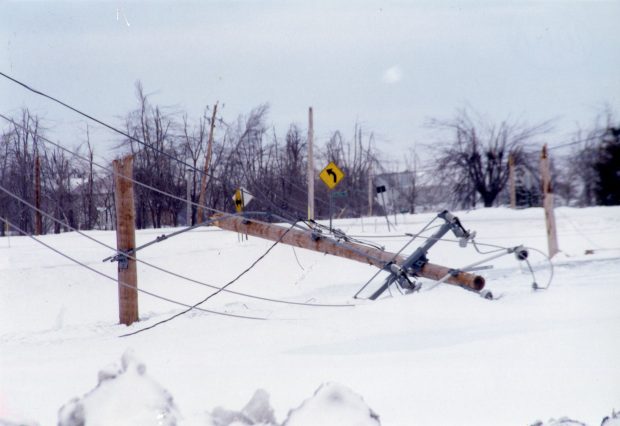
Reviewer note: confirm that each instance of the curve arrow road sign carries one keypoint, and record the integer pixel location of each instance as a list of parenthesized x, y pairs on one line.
[(331, 175)]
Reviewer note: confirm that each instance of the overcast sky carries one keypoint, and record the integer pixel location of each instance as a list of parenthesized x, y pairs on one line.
[(389, 65)]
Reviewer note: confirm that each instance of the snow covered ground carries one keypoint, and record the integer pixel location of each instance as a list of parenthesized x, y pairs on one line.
[(438, 357)]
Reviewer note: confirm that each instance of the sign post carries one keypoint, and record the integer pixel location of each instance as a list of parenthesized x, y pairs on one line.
[(381, 190), (331, 176)]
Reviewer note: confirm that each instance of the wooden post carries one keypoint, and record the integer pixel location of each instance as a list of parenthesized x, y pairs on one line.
[(38, 220), (511, 182), (126, 240), (552, 237), (203, 181), (348, 250), (310, 170), (371, 190), (188, 197)]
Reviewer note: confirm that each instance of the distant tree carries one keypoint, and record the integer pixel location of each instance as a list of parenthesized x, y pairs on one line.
[(474, 160), (607, 166), (593, 167), (154, 163)]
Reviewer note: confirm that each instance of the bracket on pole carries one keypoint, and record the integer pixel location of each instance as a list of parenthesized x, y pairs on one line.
[(416, 261)]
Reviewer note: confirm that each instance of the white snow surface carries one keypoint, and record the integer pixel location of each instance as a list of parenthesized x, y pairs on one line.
[(443, 356)]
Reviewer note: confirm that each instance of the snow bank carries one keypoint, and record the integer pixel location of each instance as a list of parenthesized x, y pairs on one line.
[(123, 396), (613, 420), (333, 404), (10, 423), (257, 411)]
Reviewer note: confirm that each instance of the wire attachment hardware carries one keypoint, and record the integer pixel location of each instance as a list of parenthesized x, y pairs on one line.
[(417, 260)]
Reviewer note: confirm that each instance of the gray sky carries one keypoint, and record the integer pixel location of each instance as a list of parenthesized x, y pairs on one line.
[(389, 65)]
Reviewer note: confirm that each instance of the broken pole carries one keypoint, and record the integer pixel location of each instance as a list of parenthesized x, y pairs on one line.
[(552, 236), (345, 249), (126, 240)]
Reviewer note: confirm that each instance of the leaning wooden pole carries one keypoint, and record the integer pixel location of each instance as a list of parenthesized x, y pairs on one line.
[(552, 236), (203, 180), (126, 240), (357, 252)]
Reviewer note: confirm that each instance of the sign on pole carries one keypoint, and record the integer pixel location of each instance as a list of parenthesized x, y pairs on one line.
[(331, 175), (241, 198)]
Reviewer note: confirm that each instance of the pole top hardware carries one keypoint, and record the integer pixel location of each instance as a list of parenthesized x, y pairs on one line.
[(417, 260)]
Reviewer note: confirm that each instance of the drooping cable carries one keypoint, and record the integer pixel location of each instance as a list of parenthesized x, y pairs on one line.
[(160, 269), (214, 293), (82, 264)]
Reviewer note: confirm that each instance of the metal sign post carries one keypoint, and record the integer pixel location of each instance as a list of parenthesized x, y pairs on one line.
[(381, 190), (331, 176)]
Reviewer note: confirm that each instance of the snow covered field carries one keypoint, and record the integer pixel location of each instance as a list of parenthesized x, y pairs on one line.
[(438, 357)]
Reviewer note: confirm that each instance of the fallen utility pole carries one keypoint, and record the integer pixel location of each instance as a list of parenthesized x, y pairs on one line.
[(381, 259)]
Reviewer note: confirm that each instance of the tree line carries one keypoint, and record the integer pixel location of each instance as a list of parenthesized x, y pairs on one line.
[(178, 155)]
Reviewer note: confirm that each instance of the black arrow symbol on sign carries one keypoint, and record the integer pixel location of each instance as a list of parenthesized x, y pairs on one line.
[(331, 172)]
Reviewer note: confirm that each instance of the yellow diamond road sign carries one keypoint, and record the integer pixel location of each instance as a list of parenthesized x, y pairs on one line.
[(331, 175)]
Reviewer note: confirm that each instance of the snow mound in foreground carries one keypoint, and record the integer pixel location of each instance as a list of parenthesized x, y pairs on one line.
[(613, 420), (333, 405), (123, 396), (257, 411), (4, 422)]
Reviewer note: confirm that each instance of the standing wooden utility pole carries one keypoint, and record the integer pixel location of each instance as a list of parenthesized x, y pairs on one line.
[(38, 221), (126, 240), (310, 171), (511, 181), (203, 181), (371, 190), (552, 237), (188, 197)]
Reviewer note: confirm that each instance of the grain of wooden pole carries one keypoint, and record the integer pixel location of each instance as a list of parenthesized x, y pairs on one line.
[(552, 236), (126, 240), (352, 251)]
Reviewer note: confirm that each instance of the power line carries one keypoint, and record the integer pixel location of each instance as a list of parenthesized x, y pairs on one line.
[(174, 274), (216, 292), (108, 126), (66, 256), (125, 134), (134, 139), (569, 144), (107, 169), (114, 129)]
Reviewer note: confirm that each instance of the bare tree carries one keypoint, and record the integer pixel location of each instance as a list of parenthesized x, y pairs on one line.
[(474, 159)]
